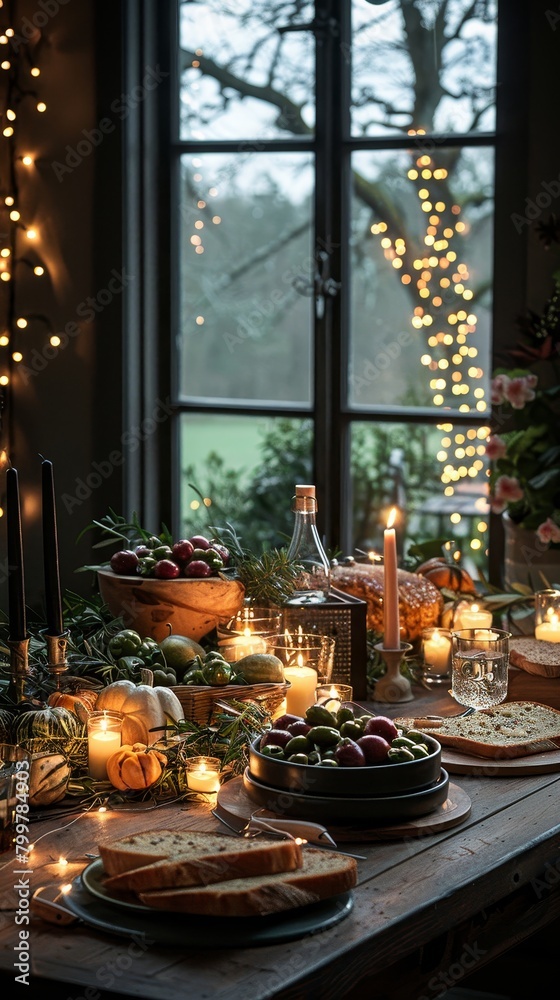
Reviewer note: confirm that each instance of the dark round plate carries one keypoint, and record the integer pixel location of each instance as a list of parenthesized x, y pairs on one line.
[(344, 809), (380, 779), (178, 930)]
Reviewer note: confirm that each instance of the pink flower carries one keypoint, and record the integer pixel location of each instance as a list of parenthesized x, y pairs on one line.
[(498, 387), (548, 532), (507, 489), (495, 447), (518, 392), (497, 506)]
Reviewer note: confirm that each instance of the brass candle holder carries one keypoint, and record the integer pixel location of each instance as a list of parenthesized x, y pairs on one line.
[(393, 686), (56, 656), (20, 671)]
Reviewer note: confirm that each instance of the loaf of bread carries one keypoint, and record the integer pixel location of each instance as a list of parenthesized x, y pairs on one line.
[(512, 729), (323, 874), (161, 858), (420, 601), (535, 656)]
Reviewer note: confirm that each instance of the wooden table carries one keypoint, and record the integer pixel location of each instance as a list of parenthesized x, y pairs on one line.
[(427, 911)]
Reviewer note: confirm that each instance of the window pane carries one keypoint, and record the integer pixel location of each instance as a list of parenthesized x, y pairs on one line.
[(247, 467), (423, 65), (402, 465), (240, 77), (246, 246), (422, 279)]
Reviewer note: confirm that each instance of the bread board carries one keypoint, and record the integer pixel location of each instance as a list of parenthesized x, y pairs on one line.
[(233, 799), (457, 762), (535, 656)]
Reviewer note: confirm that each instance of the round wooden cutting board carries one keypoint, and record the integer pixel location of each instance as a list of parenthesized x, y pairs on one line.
[(463, 763), (233, 799)]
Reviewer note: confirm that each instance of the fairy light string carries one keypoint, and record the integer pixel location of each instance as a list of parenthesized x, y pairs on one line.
[(20, 241)]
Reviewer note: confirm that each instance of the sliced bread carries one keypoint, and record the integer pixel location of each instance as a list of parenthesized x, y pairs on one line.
[(161, 858), (535, 656), (512, 729), (322, 875)]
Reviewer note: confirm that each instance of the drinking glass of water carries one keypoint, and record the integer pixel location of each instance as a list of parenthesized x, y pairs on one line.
[(479, 666)]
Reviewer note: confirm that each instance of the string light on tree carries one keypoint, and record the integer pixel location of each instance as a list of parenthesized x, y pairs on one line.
[(437, 276)]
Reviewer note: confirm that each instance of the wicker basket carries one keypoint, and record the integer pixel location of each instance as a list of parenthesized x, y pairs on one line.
[(200, 703)]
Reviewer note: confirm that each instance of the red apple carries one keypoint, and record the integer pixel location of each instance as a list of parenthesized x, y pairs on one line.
[(199, 542), (380, 725), (197, 568), (374, 749)]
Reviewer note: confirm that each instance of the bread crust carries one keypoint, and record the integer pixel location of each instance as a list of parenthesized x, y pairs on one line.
[(324, 874), (535, 656), (507, 731)]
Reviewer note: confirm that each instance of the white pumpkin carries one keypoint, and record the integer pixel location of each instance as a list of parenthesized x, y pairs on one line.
[(144, 708)]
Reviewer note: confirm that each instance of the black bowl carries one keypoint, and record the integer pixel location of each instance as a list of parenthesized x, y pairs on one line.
[(348, 811), (378, 779)]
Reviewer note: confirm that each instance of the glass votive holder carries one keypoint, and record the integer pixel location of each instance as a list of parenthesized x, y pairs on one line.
[(104, 734), (245, 633), (308, 660), (332, 696), (547, 615), (203, 774), (479, 666), (436, 655), (471, 615)]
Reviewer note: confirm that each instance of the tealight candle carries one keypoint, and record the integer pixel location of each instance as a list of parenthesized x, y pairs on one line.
[(236, 646), (472, 617), (547, 615), (331, 696), (203, 774), (104, 737), (301, 693)]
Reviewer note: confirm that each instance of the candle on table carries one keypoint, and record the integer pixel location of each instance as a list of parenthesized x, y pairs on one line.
[(301, 693), (331, 696), (16, 589), (53, 601), (203, 774), (391, 623), (104, 738), (473, 617), (437, 652), (549, 630), (236, 646)]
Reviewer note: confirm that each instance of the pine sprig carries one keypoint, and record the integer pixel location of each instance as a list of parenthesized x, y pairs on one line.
[(269, 577)]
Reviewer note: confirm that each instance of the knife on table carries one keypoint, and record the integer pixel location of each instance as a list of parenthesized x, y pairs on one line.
[(312, 833)]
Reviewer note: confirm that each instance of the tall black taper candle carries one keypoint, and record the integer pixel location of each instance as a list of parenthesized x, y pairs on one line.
[(53, 601), (16, 588)]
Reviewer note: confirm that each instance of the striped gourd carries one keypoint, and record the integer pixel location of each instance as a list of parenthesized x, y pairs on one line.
[(48, 778)]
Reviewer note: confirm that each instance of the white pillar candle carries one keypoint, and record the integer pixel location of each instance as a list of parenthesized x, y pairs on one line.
[(437, 653), (391, 624), (236, 646), (301, 693), (101, 744)]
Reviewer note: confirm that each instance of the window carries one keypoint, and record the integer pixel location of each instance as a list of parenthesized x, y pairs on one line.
[(333, 168)]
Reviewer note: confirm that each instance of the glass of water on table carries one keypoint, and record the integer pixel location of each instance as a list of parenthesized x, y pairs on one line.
[(479, 666)]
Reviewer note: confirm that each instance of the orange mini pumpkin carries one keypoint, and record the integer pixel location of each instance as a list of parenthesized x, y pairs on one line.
[(448, 575), (135, 766), (81, 702)]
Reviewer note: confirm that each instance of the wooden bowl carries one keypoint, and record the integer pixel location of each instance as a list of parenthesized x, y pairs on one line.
[(191, 607)]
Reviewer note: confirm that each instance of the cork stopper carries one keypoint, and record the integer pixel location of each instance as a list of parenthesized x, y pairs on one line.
[(305, 499)]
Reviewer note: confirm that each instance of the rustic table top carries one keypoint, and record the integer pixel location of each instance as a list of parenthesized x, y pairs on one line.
[(426, 911)]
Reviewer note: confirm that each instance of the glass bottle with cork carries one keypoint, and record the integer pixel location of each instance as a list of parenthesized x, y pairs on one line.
[(313, 584)]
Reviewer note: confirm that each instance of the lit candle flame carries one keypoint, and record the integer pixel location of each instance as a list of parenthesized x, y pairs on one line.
[(392, 517)]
